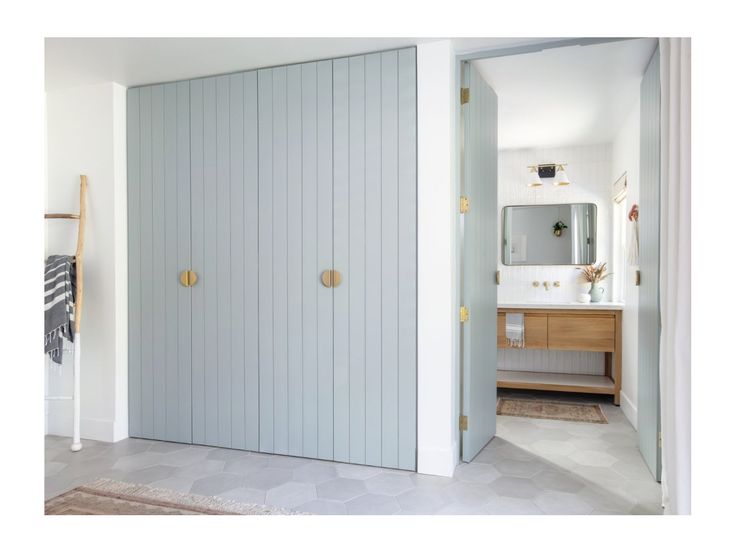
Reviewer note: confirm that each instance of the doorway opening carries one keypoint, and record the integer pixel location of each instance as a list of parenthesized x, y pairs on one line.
[(556, 369)]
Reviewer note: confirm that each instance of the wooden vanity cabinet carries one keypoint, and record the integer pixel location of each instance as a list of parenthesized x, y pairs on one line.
[(568, 330)]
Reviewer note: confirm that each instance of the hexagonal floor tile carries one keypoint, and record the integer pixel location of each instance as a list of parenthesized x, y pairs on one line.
[(555, 502), (200, 469), (287, 463), (323, 507), (423, 500), (511, 506), (151, 474), (138, 461), (477, 472), (245, 465), (340, 489), (216, 484), (470, 494), (520, 469), (244, 494), (290, 494), (522, 488), (554, 480), (315, 473), (593, 458), (166, 447), (267, 478), (555, 447), (372, 504), (387, 483), (182, 485)]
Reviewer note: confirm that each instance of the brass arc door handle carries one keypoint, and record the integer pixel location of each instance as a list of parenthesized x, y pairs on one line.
[(188, 278), (331, 278)]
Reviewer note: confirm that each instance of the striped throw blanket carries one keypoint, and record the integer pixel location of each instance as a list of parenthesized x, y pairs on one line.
[(59, 288)]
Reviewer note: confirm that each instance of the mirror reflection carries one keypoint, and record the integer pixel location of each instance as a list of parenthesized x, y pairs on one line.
[(561, 234)]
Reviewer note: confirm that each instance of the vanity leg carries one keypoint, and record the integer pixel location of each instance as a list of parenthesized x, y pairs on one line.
[(618, 367)]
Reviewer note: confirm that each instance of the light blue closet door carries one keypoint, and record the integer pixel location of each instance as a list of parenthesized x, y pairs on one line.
[(158, 246), (259, 182), (337, 190), (478, 230), (375, 250), (224, 254), (649, 321)]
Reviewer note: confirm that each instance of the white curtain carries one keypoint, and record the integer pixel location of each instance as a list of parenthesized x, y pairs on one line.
[(675, 289)]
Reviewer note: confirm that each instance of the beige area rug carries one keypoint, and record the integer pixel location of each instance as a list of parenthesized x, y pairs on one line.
[(109, 497), (542, 409)]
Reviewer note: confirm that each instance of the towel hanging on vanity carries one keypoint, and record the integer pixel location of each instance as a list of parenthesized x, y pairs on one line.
[(514, 330)]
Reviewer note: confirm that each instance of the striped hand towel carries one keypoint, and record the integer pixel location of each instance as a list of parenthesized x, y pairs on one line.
[(514, 330), (59, 287)]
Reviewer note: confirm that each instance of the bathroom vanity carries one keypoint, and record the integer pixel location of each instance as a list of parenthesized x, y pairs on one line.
[(567, 327)]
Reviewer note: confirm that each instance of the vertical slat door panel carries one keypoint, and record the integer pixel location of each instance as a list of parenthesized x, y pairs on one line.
[(146, 269), (280, 263), (295, 258), (649, 418), (325, 371), (340, 238), (160, 364), (196, 94), (373, 265), (479, 250), (237, 259), (265, 258), (389, 258), (183, 237), (310, 277), (355, 288), (222, 407), (250, 278), (134, 263), (407, 259)]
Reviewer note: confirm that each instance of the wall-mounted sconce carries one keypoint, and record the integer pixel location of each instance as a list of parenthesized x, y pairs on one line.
[(554, 171)]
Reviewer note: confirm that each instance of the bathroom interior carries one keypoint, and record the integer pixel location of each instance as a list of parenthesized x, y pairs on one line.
[(569, 191)]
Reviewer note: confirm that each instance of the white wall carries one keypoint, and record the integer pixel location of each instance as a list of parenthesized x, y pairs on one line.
[(85, 130), (626, 158), (438, 415)]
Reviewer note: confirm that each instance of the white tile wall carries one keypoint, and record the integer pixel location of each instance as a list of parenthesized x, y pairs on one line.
[(590, 171)]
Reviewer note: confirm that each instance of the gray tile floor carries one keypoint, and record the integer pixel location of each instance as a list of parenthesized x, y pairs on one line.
[(532, 466)]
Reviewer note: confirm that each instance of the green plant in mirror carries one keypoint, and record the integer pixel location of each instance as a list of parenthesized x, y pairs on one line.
[(558, 228)]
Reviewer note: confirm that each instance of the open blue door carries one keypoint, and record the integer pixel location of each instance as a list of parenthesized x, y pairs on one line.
[(478, 261), (649, 317)]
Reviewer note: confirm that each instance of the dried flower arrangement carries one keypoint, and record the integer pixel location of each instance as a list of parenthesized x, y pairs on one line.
[(594, 273)]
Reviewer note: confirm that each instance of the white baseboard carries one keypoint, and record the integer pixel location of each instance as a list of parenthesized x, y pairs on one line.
[(437, 462), (60, 423), (630, 410)]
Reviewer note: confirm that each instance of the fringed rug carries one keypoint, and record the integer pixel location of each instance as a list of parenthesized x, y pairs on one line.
[(109, 497), (543, 409)]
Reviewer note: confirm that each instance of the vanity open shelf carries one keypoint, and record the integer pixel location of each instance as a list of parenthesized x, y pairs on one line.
[(563, 327)]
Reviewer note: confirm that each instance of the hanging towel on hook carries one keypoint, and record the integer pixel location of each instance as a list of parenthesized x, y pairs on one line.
[(514, 330), (59, 288)]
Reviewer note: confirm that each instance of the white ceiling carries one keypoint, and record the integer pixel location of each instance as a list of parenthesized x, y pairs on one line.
[(72, 62), (566, 96)]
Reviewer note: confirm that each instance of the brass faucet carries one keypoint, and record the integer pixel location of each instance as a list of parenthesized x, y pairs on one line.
[(546, 285)]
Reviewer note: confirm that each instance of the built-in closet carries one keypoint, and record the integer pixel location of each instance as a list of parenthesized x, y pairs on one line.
[(272, 260)]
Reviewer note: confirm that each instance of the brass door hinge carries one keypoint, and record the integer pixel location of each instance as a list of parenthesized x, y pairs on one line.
[(660, 440), (464, 204), (638, 277), (464, 95), (497, 277), (464, 314), (463, 422)]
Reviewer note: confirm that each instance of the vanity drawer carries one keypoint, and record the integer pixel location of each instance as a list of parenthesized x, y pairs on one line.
[(535, 331), (582, 333)]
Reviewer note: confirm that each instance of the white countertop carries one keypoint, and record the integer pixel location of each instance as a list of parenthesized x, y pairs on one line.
[(603, 305)]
